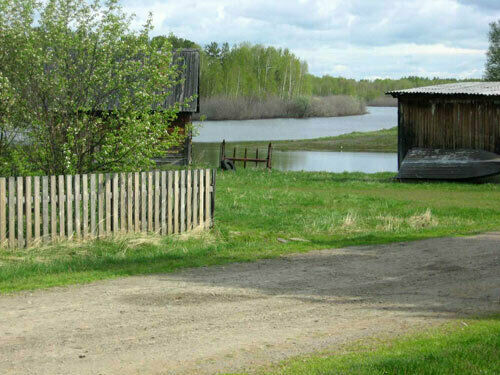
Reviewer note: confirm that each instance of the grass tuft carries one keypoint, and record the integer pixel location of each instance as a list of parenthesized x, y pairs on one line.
[(423, 220), (460, 347), (254, 208)]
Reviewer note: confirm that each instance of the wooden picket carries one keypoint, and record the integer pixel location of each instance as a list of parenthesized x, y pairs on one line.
[(39, 209)]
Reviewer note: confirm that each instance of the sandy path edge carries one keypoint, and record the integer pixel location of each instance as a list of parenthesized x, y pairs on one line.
[(238, 316)]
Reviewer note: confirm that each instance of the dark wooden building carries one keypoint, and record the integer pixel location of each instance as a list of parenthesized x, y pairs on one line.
[(458, 116), (188, 61)]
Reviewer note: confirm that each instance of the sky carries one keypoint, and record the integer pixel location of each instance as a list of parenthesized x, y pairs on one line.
[(361, 39)]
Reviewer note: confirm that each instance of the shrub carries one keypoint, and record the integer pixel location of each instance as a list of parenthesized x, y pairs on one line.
[(241, 108), (85, 85)]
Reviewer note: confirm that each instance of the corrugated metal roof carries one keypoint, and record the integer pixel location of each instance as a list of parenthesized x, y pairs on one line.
[(461, 88)]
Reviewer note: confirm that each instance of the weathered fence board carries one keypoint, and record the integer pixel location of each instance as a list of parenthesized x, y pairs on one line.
[(36, 209), (20, 213), (163, 203), (100, 204), (201, 193), (108, 203), (3, 210), (130, 188), (189, 199), (93, 205), (53, 207), (69, 205), (85, 206), (123, 191), (45, 208), (170, 202), (157, 202), (183, 202), (115, 203), (176, 202), (12, 211), (29, 223), (195, 198), (62, 218), (77, 207), (150, 202), (207, 198)]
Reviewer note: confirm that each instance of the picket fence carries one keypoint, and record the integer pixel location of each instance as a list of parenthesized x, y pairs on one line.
[(40, 209)]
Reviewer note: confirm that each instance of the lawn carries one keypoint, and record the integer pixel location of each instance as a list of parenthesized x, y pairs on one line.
[(376, 141), (258, 213), (460, 347)]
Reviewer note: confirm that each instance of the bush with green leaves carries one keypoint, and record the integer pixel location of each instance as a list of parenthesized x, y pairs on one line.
[(82, 90), (493, 55)]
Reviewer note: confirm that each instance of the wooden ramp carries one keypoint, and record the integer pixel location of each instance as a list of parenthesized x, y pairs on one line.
[(444, 164)]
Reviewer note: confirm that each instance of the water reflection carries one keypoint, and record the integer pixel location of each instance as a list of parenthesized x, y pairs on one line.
[(368, 162)]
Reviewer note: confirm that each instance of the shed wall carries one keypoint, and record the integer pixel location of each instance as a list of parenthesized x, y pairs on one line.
[(181, 155), (451, 123)]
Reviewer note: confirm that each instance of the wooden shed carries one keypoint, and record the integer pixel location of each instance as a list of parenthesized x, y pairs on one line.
[(189, 87), (452, 127)]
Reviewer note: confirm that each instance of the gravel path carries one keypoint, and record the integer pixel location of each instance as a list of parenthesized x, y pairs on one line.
[(239, 316)]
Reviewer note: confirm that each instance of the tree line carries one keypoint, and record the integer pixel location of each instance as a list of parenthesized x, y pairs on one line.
[(254, 70)]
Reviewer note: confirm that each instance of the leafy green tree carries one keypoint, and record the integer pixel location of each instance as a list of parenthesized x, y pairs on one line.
[(86, 86), (493, 55), (212, 50), (247, 70), (175, 42)]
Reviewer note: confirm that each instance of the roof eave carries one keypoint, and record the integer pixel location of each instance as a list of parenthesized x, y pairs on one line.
[(449, 95)]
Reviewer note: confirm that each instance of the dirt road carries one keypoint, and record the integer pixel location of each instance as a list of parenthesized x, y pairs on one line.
[(236, 317)]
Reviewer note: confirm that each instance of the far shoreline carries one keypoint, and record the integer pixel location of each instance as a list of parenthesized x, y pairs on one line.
[(281, 118), (222, 108), (384, 140), (366, 112)]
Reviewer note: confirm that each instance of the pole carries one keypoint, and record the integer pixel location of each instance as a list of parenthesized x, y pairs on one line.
[(269, 155)]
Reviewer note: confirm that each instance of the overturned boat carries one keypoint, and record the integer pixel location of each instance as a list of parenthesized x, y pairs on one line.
[(445, 164)]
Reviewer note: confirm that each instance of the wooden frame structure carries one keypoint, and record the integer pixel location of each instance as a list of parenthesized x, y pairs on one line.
[(246, 159)]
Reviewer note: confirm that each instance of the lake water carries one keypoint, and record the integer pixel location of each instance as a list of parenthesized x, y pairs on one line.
[(367, 162), (282, 129)]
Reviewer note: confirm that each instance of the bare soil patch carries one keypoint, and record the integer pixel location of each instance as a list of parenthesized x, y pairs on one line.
[(237, 317)]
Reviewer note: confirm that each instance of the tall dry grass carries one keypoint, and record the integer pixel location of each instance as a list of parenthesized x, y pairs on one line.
[(383, 101), (225, 108)]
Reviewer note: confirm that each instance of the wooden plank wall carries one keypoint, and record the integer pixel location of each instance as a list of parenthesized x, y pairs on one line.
[(452, 123), (51, 208)]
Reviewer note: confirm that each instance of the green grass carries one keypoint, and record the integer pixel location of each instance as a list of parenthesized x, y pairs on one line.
[(254, 208), (376, 141), (460, 347)]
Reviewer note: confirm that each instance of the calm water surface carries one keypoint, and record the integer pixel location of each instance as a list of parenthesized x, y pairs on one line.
[(326, 161), (282, 129)]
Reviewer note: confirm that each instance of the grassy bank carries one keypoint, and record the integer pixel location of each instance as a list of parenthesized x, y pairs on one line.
[(460, 347), (254, 208), (245, 108), (376, 141)]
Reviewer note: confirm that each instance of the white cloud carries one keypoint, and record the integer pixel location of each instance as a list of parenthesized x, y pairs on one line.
[(355, 38)]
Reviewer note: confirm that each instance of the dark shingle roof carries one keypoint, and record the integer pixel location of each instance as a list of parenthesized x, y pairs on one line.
[(461, 88)]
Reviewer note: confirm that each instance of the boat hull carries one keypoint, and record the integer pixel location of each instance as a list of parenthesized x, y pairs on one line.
[(444, 164)]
